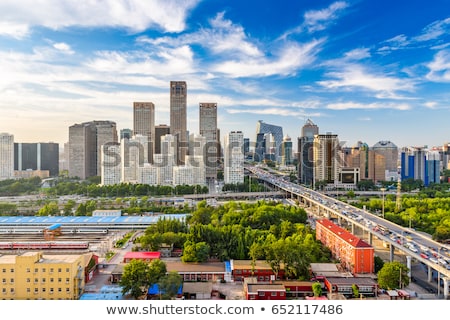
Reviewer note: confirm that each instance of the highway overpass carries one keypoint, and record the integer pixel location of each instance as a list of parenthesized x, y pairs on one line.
[(435, 255)]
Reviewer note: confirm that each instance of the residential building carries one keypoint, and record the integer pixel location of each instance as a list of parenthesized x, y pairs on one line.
[(354, 254), (327, 159), (234, 158), (38, 276), (111, 164), (146, 256), (6, 156)]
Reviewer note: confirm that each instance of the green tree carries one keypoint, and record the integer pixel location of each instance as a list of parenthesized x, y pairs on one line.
[(393, 275), (317, 289), (135, 278), (157, 269), (170, 284)]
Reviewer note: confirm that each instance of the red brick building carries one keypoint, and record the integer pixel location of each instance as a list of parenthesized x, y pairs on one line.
[(241, 269), (144, 256), (355, 255), (265, 291)]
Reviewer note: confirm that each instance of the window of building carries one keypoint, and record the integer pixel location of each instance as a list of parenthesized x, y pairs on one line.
[(43, 290), (28, 290), (12, 270), (59, 289), (4, 290), (59, 280), (4, 280), (12, 290), (36, 280), (67, 270), (59, 270), (28, 270), (36, 290), (3, 270), (273, 294), (43, 270), (36, 270), (51, 270), (11, 280), (52, 280), (67, 290), (28, 280), (43, 280)]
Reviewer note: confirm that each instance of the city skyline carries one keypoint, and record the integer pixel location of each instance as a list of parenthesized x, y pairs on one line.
[(366, 71)]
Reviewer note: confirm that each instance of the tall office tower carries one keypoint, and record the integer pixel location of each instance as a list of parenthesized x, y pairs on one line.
[(305, 153), (178, 117), (390, 153), (208, 129), (416, 163), (260, 148), (160, 130), (144, 124), (446, 156), (197, 145), (37, 156), (433, 164), (327, 158), (277, 133), (246, 147), (286, 151), (85, 142), (234, 158), (111, 164), (6, 156), (126, 133)]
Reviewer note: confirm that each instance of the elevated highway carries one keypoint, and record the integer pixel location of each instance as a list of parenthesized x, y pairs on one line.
[(435, 255)]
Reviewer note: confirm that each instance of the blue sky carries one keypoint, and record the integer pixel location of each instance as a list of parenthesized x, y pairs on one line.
[(365, 70)]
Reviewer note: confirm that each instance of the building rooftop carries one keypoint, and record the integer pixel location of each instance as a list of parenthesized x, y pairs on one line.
[(344, 234)]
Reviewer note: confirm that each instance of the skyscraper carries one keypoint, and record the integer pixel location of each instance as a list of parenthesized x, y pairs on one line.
[(234, 158), (305, 152), (178, 117), (85, 143), (276, 132), (37, 156), (208, 129), (144, 124), (327, 158), (160, 130), (6, 156)]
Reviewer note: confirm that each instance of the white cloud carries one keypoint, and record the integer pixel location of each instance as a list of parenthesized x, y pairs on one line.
[(63, 47), (287, 61), (439, 67), (13, 30), (316, 20), (367, 106), (135, 15), (355, 76)]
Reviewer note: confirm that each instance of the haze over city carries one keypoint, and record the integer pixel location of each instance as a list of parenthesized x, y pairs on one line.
[(364, 70)]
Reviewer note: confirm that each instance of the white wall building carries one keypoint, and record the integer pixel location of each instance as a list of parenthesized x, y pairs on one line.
[(6, 156), (234, 158)]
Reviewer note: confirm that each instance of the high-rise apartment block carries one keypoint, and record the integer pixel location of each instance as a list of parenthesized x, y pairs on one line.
[(208, 129), (419, 163), (37, 156), (85, 143), (327, 158), (234, 158), (6, 156), (178, 117)]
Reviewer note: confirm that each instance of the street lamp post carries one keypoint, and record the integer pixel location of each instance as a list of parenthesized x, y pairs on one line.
[(382, 203)]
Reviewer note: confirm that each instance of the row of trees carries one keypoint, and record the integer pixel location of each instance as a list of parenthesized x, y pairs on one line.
[(267, 231)]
